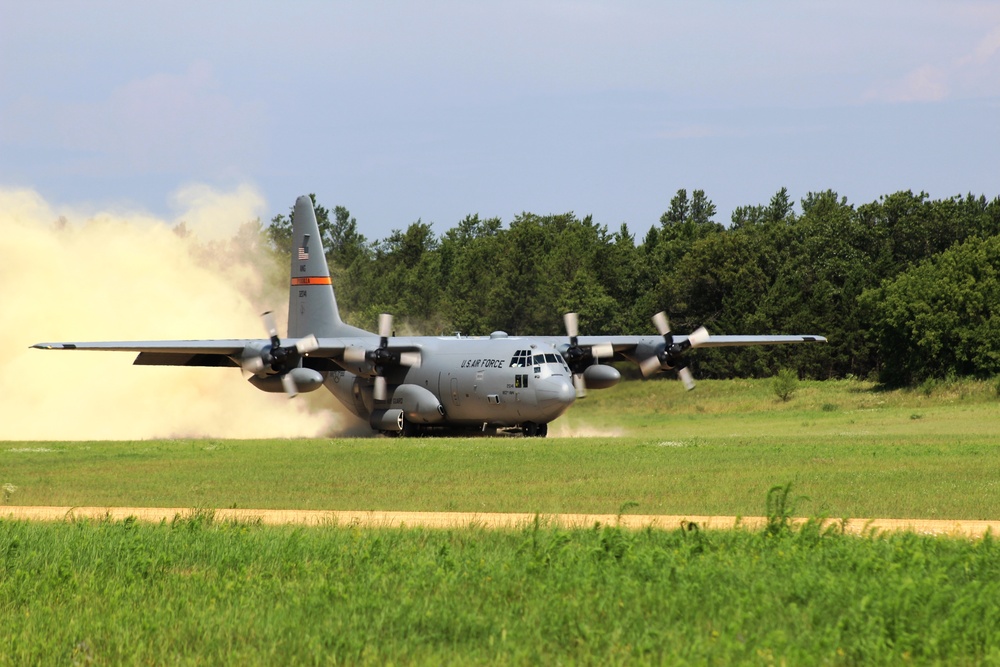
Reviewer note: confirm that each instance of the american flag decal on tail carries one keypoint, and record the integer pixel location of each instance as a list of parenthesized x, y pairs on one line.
[(304, 249)]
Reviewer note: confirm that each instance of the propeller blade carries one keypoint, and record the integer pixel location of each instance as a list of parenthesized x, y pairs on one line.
[(411, 359), (602, 350), (354, 355), (572, 322), (307, 345), (385, 325), (289, 386), (581, 386), (269, 324), (253, 365), (380, 388), (661, 323), (686, 378), (649, 365), (698, 337)]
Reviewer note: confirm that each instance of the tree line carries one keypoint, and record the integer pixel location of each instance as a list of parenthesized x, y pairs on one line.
[(905, 288)]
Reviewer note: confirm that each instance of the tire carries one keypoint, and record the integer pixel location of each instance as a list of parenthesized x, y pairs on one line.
[(410, 430)]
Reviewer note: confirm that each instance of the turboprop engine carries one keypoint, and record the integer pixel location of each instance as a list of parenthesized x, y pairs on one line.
[(305, 379), (598, 376), (274, 367), (418, 404)]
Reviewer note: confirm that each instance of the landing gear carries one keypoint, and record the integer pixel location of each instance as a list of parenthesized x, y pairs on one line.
[(533, 430), (408, 430)]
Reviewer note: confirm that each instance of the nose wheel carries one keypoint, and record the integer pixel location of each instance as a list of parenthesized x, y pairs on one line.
[(533, 430)]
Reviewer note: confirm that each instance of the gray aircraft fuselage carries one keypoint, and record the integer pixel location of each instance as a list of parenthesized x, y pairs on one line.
[(478, 382)]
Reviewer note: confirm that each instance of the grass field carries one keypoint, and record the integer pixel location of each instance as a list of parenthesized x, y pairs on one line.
[(200, 591), (851, 450)]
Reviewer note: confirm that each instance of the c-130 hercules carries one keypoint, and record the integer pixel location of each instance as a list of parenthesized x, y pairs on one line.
[(424, 384)]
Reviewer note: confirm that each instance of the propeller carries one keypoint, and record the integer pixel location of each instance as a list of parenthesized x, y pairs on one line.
[(670, 355), (280, 359), (382, 357), (577, 357)]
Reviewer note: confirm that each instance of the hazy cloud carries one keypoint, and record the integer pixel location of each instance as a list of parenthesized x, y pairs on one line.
[(971, 74), (162, 122)]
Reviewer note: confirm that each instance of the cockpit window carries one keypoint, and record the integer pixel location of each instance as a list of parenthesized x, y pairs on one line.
[(524, 358), (521, 359)]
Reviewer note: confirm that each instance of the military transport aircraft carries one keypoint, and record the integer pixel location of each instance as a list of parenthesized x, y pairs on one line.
[(424, 384)]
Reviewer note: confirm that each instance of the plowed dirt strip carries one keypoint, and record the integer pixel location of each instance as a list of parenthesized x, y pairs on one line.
[(385, 519)]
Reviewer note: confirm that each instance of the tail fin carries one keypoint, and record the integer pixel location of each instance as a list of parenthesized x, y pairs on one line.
[(312, 305)]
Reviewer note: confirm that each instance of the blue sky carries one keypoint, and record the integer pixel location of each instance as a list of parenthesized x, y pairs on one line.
[(434, 110)]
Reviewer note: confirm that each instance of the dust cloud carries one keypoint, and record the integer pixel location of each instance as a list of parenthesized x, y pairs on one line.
[(75, 275), (564, 428)]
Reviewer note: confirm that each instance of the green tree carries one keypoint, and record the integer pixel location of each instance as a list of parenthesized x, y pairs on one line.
[(344, 244), (942, 317), (469, 253), (402, 277), (686, 222)]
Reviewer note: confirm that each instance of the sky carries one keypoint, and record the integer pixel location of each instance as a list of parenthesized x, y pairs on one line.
[(121, 119), (433, 111)]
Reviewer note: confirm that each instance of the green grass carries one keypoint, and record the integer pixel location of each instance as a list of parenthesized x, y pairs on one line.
[(198, 591), (944, 481), (749, 408), (201, 592), (853, 451)]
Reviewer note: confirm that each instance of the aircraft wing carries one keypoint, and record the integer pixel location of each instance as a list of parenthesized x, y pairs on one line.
[(627, 344), (326, 357), (166, 352), (738, 341), (164, 346), (650, 354)]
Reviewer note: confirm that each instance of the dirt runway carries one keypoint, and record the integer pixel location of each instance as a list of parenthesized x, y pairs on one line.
[(388, 519)]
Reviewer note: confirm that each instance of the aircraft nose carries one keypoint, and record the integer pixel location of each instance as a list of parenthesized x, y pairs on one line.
[(555, 393)]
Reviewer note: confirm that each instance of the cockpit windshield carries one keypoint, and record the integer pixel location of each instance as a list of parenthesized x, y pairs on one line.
[(525, 358), (548, 358), (521, 359)]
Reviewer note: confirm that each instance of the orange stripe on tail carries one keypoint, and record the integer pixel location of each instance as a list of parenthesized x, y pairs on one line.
[(313, 280)]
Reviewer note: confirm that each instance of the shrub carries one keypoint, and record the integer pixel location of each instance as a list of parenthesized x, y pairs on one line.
[(785, 384)]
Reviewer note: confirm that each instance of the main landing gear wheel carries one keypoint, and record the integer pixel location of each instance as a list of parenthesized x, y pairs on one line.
[(533, 430), (410, 430)]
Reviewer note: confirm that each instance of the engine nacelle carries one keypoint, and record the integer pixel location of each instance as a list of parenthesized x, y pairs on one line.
[(387, 420), (418, 404), (306, 379), (601, 377)]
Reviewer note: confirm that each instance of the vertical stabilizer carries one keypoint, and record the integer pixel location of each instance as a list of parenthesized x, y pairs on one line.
[(312, 306)]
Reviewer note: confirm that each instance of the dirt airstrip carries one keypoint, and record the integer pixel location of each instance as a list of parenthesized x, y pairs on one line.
[(388, 519)]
